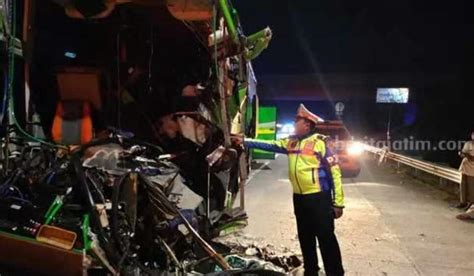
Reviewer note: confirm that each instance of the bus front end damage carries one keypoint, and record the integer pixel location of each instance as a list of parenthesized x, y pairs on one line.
[(116, 153)]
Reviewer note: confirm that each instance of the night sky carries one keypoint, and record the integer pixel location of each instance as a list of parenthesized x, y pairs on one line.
[(419, 39), (361, 36)]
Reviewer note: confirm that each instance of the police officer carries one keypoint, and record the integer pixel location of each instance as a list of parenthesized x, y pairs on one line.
[(318, 197)]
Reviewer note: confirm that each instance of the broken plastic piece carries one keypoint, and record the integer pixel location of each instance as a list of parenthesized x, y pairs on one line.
[(257, 42), (214, 156), (57, 237)]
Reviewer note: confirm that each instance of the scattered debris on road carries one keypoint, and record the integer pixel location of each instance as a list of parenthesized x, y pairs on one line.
[(245, 245)]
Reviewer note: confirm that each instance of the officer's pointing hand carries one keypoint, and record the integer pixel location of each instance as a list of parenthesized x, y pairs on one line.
[(237, 139), (338, 212)]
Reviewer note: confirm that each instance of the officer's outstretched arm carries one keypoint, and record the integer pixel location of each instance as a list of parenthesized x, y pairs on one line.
[(279, 146)]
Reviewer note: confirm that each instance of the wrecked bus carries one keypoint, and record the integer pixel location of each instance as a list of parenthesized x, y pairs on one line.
[(116, 122)]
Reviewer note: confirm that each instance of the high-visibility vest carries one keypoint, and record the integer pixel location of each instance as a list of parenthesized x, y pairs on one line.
[(311, 165)]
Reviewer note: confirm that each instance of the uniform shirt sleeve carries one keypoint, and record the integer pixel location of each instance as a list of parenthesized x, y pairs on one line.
[(279, 146), (338, 196)]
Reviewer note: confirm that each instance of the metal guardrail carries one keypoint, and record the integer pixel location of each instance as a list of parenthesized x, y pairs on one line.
[(431, 168)]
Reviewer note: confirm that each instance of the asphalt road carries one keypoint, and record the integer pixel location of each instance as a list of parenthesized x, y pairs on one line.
[(392, 224)]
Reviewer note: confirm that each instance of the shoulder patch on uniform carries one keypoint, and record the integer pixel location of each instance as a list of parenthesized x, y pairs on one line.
[(332, 160)]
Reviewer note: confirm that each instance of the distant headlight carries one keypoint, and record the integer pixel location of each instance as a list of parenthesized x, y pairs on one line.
[(355, 149)]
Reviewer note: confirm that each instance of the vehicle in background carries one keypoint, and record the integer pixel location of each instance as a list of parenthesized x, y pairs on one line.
[(343, 146)]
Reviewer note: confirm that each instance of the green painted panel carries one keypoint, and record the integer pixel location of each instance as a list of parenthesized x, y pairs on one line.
[(267, 116)]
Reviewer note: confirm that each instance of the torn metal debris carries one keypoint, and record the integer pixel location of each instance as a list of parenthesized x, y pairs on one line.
[(134, 172), (250, 249)]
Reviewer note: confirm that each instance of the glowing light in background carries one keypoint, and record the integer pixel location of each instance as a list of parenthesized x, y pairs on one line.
[(70, 55), (288, 128), (285, 130), (355, 149)]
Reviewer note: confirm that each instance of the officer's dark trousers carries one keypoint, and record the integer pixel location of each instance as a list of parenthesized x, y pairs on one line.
[(315, 218)]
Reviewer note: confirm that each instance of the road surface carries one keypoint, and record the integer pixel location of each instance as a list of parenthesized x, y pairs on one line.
[(392, 225)]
